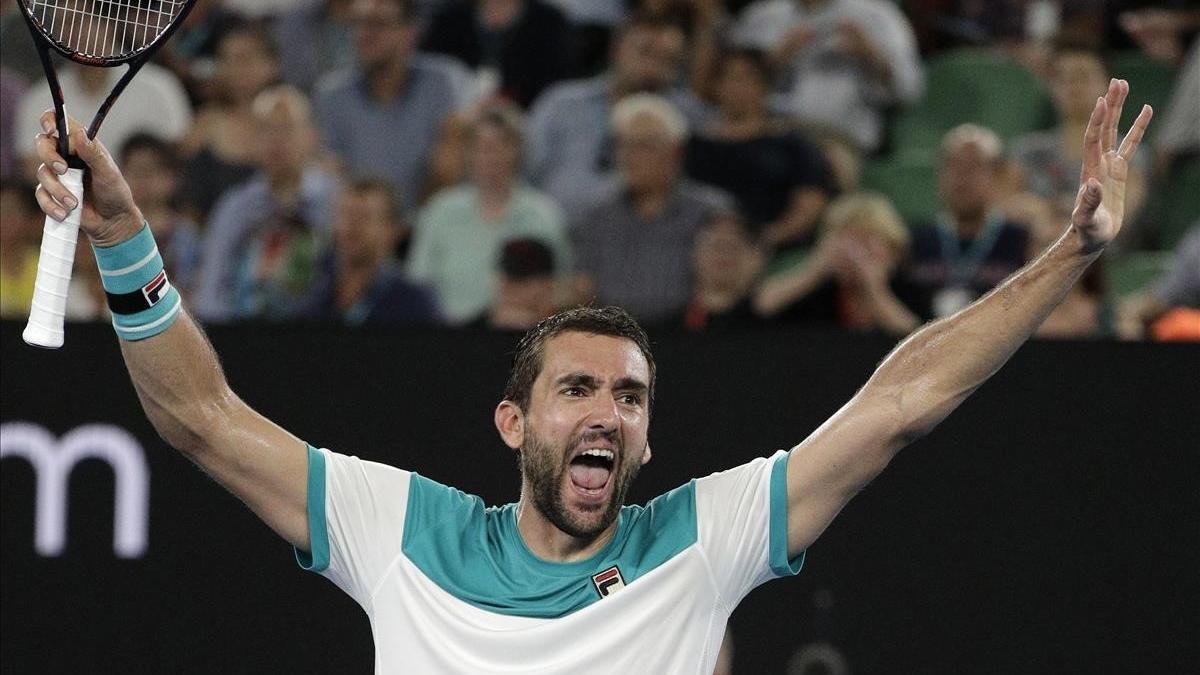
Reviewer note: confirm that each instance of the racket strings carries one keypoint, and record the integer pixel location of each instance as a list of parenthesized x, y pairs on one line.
[(105, 28)]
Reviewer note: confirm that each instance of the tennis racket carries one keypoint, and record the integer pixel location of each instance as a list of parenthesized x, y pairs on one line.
[(102, 33)]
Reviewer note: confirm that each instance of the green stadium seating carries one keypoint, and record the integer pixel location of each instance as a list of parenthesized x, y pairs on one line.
[(972, 86), (910, 181), (1174, 204), (1150, 81), (1131, 272)]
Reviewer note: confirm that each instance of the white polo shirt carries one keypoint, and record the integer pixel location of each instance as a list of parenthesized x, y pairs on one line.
[(450, 586)]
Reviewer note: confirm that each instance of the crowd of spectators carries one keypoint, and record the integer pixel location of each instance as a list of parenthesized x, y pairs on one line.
[(481, 163)]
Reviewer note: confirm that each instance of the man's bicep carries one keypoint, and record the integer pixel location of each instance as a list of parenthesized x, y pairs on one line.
[(833, 464)]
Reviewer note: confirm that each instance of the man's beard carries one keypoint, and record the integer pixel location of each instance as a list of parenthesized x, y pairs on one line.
[(545, 467)]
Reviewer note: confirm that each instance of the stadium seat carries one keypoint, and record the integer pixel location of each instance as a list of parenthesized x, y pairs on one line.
[(1174, 204), (1150, 81), (1131, 272), (972, 86), (910, 181)]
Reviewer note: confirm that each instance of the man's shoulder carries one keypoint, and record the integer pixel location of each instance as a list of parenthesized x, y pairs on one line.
[(573, 93), (338, 84), (705, 196)]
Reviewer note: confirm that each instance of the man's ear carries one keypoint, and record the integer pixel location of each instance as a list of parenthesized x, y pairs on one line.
[(646, 453), (510, 422)]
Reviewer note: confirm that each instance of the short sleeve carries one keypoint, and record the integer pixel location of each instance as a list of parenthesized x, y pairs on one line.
[(741, 516), (356, 513)]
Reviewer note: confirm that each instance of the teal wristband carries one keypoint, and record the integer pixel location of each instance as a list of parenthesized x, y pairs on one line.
[(134, 268)]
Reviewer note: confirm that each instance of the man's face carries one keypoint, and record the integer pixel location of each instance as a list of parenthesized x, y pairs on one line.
[(150, 180), (648, 58), (363, 228), (592, 394), (1076, 79), (286, 139), (647, 155), (740, 87), (381, 32), (967, 180)]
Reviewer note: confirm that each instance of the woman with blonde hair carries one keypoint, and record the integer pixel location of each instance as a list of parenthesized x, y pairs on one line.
[(852, 276)]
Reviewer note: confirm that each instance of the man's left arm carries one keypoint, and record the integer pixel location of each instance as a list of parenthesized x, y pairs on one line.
[(934, 370)]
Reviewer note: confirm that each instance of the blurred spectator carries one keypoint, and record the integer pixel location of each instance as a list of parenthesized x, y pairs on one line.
[(1170, 308), (971, 247), (154, 102), (705, 22), (361, 282), (12, 88), (1082, 313), (265, 236), (381, 118), (845, 62), (516, 47), (17, 52), (526, 290), (1179, 129), (151, 167), (460, 232), (1050, 160), (315, 39), (634, 242), (20, 220), (591, 26), (725, 263), (221, 144), (570, 145), (1162, 32), (781, 181), (852, 277), (191, 51)]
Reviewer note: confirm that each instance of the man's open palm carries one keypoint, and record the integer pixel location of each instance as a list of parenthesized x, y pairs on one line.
[(1100, 205)]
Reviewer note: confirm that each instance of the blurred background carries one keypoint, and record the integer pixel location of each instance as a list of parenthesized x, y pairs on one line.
[(777, 189)]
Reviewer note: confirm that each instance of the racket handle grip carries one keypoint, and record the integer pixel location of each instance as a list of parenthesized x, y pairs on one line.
[(49, 306)]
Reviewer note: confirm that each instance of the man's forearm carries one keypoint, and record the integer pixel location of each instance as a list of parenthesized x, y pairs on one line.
[(931, 372), (180, 384)]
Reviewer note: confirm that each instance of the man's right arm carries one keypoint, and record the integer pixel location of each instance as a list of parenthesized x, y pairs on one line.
[(176, 373)]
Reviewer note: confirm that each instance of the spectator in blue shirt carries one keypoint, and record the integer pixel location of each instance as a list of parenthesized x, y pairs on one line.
[(361, 282)]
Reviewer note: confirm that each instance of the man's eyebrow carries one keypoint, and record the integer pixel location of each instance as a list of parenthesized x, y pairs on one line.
[(577, 380), (631, 384)]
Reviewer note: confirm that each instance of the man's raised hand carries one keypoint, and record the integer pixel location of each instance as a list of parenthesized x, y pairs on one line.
[(109, 213), (1100, 204)]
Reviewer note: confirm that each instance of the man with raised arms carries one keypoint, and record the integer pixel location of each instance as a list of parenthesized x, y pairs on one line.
[(567, 579)]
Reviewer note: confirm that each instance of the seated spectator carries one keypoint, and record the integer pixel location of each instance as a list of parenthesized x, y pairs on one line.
[(265, 236), (526, 290), (1170, 308), (591, 25), (382, 117), (781, 181), (20, 234), (634, 242), (845, 62), (220, 145), (151, 168), (972, 247), (852, 277), (154, 102), (517, 48), (460, 232), (570, 146), (725, 263), (1050, 160), (1179, 131), (315, 39), (361, 282)]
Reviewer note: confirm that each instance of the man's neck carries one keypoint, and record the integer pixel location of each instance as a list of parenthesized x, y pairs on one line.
[(649, 202), (549, 543), (386, 80), (285, 186), (353, 277), (969, 225), (742, 125)]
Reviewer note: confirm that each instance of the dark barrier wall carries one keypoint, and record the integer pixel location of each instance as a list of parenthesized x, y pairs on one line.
[(1051, 525)]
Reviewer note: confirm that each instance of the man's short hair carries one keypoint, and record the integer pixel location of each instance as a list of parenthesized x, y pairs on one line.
[(147, 142), (610, 321), (635, 105), (985, 139), (366, 185)]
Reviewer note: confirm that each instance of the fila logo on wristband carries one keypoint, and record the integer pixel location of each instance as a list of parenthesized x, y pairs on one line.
[(156, 289)]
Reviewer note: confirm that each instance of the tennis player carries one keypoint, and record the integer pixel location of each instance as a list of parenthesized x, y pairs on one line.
[(568, 579)]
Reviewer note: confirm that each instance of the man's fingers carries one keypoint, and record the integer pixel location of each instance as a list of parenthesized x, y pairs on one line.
[(49, 182), (1134, 137), (46, 147), (1091, 139), (48, 205), (1114, 100), (1090, 196)]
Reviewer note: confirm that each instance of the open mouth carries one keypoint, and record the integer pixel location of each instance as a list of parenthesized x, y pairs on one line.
[(591, 471)]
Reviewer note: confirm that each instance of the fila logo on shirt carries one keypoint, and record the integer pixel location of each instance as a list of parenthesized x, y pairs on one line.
[(608, 582), (156, 289)]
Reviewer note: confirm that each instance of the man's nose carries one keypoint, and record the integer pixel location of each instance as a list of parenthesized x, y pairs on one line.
[(603, 414)]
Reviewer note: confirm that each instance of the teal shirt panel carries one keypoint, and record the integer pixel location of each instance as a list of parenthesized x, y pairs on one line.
[(477, 555), (777, 545), (317, 558)]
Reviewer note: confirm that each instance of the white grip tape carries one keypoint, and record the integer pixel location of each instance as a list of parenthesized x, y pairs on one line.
[(45, 327)]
